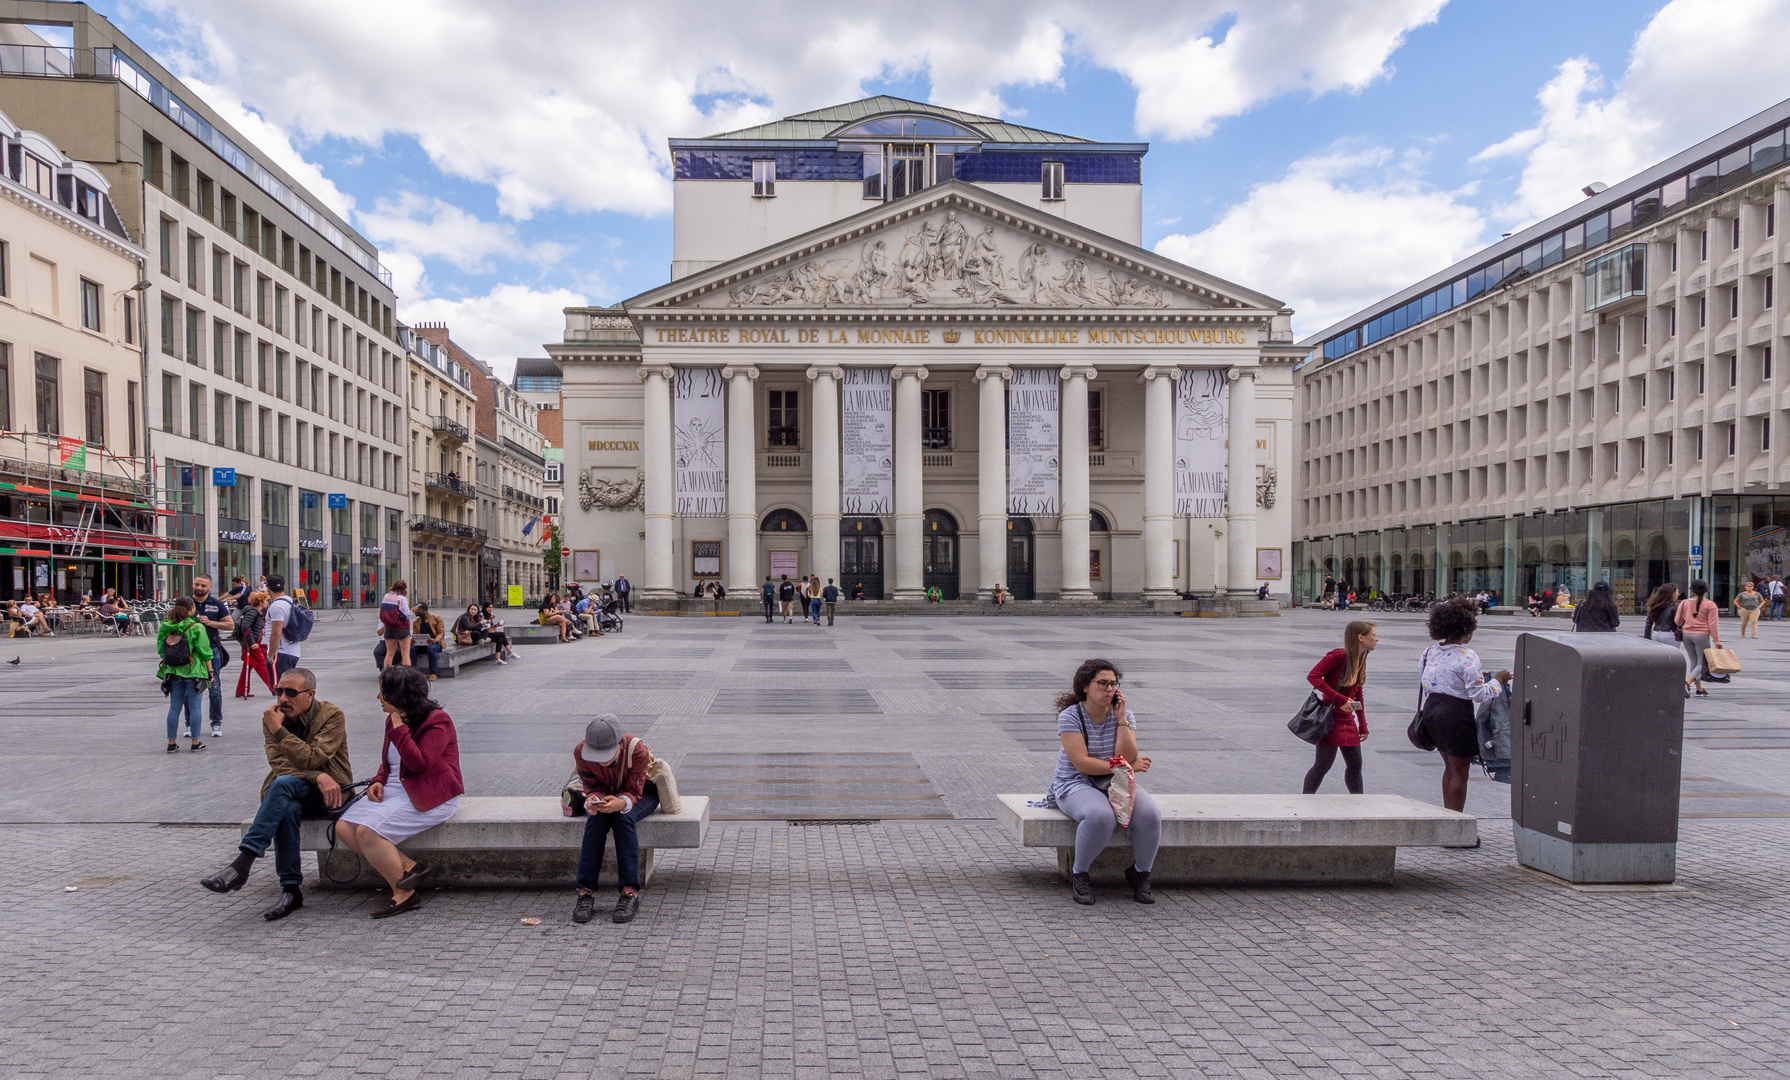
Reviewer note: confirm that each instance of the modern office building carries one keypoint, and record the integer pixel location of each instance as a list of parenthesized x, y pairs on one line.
[(1595, 397), (909, 347), (446, 542), (510, 471), (275, 394), (537, 380), (77, 505)]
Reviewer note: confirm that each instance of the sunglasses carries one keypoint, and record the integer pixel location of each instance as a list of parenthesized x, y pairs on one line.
[(287, 691)]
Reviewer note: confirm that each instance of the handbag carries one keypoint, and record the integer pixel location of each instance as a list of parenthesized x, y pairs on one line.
[(1102, 784), (1314, 720), (1419, 737), (1122, 796), (1721, 661), (351, 794)]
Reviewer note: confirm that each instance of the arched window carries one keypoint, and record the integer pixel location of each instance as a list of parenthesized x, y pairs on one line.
[(1097, 522), (783, 521), (941, 521)]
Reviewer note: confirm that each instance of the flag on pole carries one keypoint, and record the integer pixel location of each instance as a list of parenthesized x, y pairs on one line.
[(526, 529)]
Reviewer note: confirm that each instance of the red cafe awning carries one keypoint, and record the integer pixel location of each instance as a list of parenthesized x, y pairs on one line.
[(65, 534)]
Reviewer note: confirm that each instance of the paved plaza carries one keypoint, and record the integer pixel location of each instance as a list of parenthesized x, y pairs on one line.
[(916, 940)]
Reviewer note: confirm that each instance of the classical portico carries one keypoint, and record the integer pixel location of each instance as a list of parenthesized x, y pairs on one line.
[(1045, 397)]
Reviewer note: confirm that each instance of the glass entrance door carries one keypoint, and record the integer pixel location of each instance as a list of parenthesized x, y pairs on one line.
[(939, 552), (1020, 579), (861, 558)]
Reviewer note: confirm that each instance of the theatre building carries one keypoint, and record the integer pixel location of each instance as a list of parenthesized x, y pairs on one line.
[(1593, 398), (909, 348)]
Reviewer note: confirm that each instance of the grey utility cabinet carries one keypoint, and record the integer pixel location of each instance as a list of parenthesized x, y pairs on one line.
[(1597, 733)]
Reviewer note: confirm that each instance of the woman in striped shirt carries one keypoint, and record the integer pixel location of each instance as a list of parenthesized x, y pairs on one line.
[(1095, 727)]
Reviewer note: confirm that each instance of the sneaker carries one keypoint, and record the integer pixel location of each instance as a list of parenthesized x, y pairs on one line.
[(1702, 693), (585, 909), (626, 905), (173, 748), (217, 731), (197, 746), (501, 661), (1139, 880), (1081, 888)]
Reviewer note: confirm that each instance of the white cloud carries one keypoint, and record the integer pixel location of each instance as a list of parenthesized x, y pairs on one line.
[(1697, 67), (1337, 232), (273, 141), (431, 227), (567, 103), (501, 325)]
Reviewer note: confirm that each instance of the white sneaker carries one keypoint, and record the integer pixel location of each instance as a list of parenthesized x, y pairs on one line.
[(500, 660), (217, 732)]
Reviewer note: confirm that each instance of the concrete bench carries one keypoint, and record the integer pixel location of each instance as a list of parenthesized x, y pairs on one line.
[(1257, 839), (507, 842), (453, 657), (532, 634)]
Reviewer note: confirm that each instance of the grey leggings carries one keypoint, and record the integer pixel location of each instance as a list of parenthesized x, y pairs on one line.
[(1095, 823), (1696, 663)]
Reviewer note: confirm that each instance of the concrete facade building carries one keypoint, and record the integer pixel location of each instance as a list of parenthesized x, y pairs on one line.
[(1597, 397), (77, 507), (537, 380), (943, 363), (275, 390), (445, 538)]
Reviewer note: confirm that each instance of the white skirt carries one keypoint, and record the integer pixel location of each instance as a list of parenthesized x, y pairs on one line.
[(394, 817)]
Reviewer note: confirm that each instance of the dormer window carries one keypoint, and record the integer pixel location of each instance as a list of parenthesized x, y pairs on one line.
[(764, 178), (39, 176), (1053, 181)]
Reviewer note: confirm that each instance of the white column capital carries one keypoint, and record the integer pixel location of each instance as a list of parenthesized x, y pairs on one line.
[(1233, 374), (911, 371), (994, 372), (647, 371), (750, 371), (835, 373), (1071, 371), (1155, 372)]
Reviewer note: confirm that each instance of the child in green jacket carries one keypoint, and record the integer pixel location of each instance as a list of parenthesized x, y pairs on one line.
[(184, 683)]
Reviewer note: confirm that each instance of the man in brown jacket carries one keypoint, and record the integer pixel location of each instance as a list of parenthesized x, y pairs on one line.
[(617, 795), (307, 757)]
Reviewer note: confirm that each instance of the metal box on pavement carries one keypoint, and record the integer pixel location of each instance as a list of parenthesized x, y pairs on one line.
[(1596, 755)]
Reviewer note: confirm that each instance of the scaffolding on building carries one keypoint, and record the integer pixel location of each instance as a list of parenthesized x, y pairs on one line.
[(76, 503)]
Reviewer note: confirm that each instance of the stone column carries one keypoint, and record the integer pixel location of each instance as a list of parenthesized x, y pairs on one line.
[(1239, 530), (991, 481), (742, 482), (1159, 482), (910, 505), (1072, 452), (661, 498), (824, 554)]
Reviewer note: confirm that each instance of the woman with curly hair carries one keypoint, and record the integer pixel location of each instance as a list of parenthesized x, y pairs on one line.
[(1453, 686), (1095, 727), (417, 788)]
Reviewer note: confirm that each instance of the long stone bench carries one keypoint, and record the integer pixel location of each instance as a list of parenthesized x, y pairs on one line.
[(507, 842), (532, 634), (447, 666), (1257, 839)]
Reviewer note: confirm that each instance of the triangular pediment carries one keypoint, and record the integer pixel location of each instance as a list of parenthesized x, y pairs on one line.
[(952, 247)]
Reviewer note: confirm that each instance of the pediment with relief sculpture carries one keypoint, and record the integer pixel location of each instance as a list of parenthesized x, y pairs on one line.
[(952, 247)]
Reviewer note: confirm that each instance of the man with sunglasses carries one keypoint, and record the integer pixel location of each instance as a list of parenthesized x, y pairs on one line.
[(307, 747)]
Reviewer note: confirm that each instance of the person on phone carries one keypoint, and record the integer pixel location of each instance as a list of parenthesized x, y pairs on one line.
[(472, 628), (617, 794), (1338, 679), (1095, 726), (1699, 621), (432, 636), (1454, 686), (306, 740), (418, 786)]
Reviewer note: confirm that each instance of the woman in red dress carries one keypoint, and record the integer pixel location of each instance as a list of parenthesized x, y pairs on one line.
[(1338, 678)]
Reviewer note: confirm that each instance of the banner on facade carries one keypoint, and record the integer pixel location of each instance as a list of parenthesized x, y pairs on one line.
[(1200, 422), (1032, 485), (699, 441), (868, 486)]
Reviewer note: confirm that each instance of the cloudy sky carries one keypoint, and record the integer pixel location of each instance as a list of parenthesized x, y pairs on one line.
[(510, 160)]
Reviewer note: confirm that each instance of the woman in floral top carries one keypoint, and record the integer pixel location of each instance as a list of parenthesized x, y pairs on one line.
[(1453, 685)]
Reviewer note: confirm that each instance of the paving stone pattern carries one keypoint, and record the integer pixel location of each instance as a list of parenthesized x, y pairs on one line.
[(924, 943)]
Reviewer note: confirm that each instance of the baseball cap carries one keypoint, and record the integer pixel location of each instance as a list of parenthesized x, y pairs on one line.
[(276, 582), (601, 737)]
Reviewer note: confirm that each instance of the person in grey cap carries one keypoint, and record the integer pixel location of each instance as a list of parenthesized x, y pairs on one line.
[(617, 795)]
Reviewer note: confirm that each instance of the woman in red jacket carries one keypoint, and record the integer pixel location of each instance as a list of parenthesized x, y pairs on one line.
[(418, 786), (1338, 678)]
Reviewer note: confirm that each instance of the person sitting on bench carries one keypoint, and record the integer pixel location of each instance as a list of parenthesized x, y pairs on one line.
[(617, 794)]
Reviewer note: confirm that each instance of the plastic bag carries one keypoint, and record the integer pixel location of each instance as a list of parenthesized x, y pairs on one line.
[(1123, 792)]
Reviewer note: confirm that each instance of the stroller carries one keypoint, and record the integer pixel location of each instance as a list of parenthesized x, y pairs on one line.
[(609, 619)]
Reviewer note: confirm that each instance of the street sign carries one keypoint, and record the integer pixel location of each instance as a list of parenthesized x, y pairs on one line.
[(338, 502), (565, 553), (1697, 551), (223, 477)]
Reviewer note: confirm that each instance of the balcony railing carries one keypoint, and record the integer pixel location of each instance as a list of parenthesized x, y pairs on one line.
[(50, 60), (452, 484), (453, 428), (442, 527), (523, 497)]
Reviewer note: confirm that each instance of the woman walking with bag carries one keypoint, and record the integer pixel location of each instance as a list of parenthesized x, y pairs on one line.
[(254, 654), (1338, 678), (1452, 686), (1095, 727), (1699, 621)]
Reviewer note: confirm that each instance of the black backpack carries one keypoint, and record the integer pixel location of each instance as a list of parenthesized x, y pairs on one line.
[(177, 652)]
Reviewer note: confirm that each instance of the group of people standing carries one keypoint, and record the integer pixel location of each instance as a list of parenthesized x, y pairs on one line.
[(190, 647), (807, 598)]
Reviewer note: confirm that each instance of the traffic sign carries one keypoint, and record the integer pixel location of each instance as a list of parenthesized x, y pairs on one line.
[(565, 553)]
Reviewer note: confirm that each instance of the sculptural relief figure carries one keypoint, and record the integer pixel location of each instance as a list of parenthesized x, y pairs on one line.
[(946, 262), (612, 494)]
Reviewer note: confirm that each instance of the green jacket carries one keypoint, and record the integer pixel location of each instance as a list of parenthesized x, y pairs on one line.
[(197, 640)]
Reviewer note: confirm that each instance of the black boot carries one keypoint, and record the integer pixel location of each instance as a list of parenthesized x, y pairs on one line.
[(1139, 880), (290, 900), (1081, 888), (232, 877)]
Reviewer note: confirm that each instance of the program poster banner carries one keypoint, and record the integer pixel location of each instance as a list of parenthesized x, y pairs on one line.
[(699, 441), (1032, 442), (1200, 421), (868, 485)]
